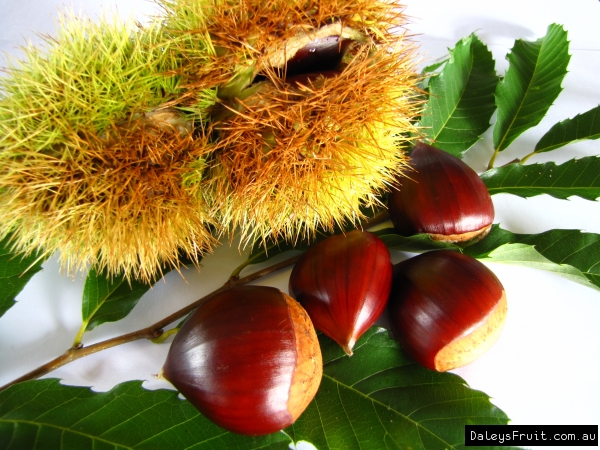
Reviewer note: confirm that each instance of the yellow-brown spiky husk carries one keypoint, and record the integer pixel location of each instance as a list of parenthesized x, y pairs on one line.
[(291, 157), (301, 157), (93, 162), (121, 205), (123, 149)]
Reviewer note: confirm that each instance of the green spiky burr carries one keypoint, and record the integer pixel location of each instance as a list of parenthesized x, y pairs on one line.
[(97, 140), (124, 147)]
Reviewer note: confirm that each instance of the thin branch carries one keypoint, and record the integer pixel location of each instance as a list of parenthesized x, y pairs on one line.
[(152, 332), (514, 161)]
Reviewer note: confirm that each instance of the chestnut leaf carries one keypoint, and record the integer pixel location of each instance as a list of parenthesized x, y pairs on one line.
[(577, 177), (583, 126), (126, 417), (109, 298), (569, 253), (576, 254), (461, 100), (526, 255), (531, 84), (380, 398), (15, 272)]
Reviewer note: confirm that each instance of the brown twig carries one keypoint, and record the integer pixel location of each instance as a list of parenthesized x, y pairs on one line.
[(514, 161), (151, 332)]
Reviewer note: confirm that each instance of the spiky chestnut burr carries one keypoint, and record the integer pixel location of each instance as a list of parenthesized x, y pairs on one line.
[(274, 156), (94, 163), (295, 151), (249, 359)]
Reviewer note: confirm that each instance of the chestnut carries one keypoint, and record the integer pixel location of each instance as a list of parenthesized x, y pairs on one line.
[(248, 359), (446, 308), (443, 197), (321, 55), (344, 282)]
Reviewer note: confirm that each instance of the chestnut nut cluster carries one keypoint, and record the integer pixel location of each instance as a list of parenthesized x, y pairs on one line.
[(249, 358)]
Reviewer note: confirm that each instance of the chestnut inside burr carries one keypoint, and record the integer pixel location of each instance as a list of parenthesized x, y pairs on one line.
[(322, 55)]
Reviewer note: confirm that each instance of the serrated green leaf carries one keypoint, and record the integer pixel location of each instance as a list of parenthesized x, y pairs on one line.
[(15, 272), (582, 126), (577, 177), (108, 299), (45, 414), (434, 67), (580, 251), (381, 399), (377, 399), (531, 84), (568, 253), (570, 247), (527, 256), (462, 98)]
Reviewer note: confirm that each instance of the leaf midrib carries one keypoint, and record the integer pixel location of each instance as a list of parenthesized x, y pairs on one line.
[(460, 97), (510, 127), (383, 405), (377, 402), (101, 303)]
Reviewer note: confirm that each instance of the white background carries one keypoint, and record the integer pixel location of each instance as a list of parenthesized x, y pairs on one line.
[(545, 368)]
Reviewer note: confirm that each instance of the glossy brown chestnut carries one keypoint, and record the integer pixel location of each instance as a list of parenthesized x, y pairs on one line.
[(446, 309), (443, 197), (343, 282), (248, 359), (322, 54)]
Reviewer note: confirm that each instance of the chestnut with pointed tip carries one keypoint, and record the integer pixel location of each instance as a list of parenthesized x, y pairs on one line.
[(248, 359), (343, 282), (446, 308), (443, 197)]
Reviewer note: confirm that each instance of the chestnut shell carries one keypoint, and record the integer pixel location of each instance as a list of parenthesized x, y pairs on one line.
[(248, 359), (344, 282), (323, 54), (446, 309), (442, 197)]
